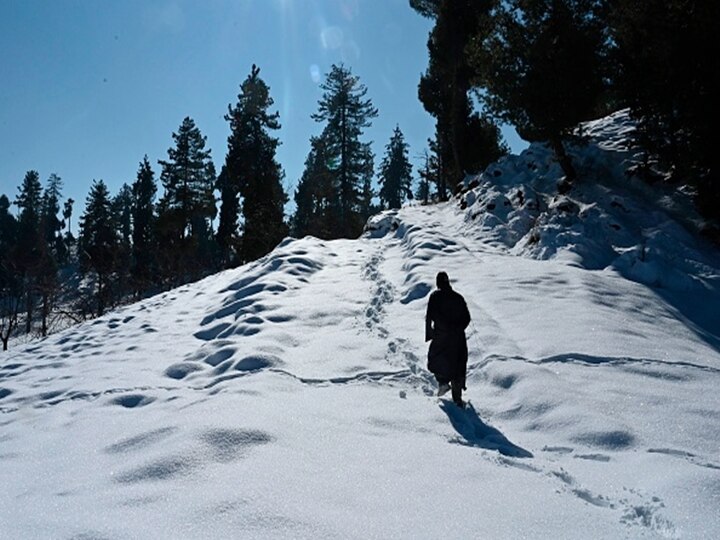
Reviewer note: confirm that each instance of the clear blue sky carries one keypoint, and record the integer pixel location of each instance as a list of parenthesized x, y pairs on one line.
[(88, 87)]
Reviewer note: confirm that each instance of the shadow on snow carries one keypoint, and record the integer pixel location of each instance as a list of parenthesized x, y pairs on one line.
[(477, 433)]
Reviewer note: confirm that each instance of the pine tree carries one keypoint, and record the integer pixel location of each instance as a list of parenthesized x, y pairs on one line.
[(541, 68), (143, 218), (395, 172), (316, 197), (187, 206), (51, 223), (28, 254), (98, 242), (67, 215), (228, 234), (10, 289), (428, 176), (121, 206), (252, 171), (467, 141), (663, 72), (346, 113), (51, 250)]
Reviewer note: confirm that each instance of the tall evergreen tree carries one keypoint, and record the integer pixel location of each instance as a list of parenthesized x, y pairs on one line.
[(252, 171), (188, 204), (143, 218), (467, 140), (345, 112), (122, 205), (395, 172), (228, 233), (67, 216), (51, 223), (429, 176), (664, 73), (10, 290), (51, 250), (29, 250), (316, 196), (98, 243), (541, 68)]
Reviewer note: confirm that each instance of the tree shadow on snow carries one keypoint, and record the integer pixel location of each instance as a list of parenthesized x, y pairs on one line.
[(477, 433)]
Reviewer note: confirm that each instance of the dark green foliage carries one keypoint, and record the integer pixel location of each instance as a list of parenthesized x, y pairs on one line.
[(427, 8), (346, 112), (143, 265), (228, 237), (122, 209), (667, 72), (52, 249), (187, 206), (29, 201), (466, 141), (395, 172), (429, 176), (10, 285), (316, 196), (29, 251), (541, 68), (51, 223), (252, 172), (98, 242)]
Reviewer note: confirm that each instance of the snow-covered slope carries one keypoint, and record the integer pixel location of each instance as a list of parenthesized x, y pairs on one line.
[(289, 398)]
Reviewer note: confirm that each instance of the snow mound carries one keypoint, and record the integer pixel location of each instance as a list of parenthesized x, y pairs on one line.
[(609, 220)]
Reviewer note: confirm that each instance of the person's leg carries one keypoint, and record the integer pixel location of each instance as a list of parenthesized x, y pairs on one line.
[(443, 385), (457, 388)]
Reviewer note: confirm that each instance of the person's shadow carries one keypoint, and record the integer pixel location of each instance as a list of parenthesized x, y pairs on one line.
[(477, 433)]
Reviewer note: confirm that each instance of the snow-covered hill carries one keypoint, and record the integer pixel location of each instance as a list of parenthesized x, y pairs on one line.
[(289, 398)]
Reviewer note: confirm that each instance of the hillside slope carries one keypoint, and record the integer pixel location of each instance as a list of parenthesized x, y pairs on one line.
[(289, 398)]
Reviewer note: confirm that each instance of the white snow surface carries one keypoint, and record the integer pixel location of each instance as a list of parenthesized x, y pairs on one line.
[(289, 398)]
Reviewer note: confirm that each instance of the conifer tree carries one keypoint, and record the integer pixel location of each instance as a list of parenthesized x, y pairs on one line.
[(395, 172), (143, 218), (10, 290), (428, 176), (51, 249), (188, 204), (122, 205), (98, 242), (67, 216), (541, 68), (467, 140), (29, 250), (51, 223), (228, 234), (316, 197), (665, 74), (252, 171), (346, 113)]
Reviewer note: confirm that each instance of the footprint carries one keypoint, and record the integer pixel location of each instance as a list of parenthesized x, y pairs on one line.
[(131, 401), (213, 332), (181, 370), (254, 363)]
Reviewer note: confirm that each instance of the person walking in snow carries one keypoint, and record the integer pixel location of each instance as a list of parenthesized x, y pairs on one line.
[(446, 319)]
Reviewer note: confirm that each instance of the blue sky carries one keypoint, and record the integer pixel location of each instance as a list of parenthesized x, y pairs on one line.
[(91, 86)]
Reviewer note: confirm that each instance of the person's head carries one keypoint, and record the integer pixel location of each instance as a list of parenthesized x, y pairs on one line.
[(443, 281)]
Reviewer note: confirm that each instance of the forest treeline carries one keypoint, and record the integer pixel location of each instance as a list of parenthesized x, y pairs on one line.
[(542, 66)]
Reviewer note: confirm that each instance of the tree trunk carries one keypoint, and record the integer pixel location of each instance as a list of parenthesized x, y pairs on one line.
[(563, 159)]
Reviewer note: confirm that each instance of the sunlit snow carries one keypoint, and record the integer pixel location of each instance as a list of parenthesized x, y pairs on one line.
[(289, 398)]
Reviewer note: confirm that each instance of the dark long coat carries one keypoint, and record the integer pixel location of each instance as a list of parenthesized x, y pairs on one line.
[(446, 319)]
